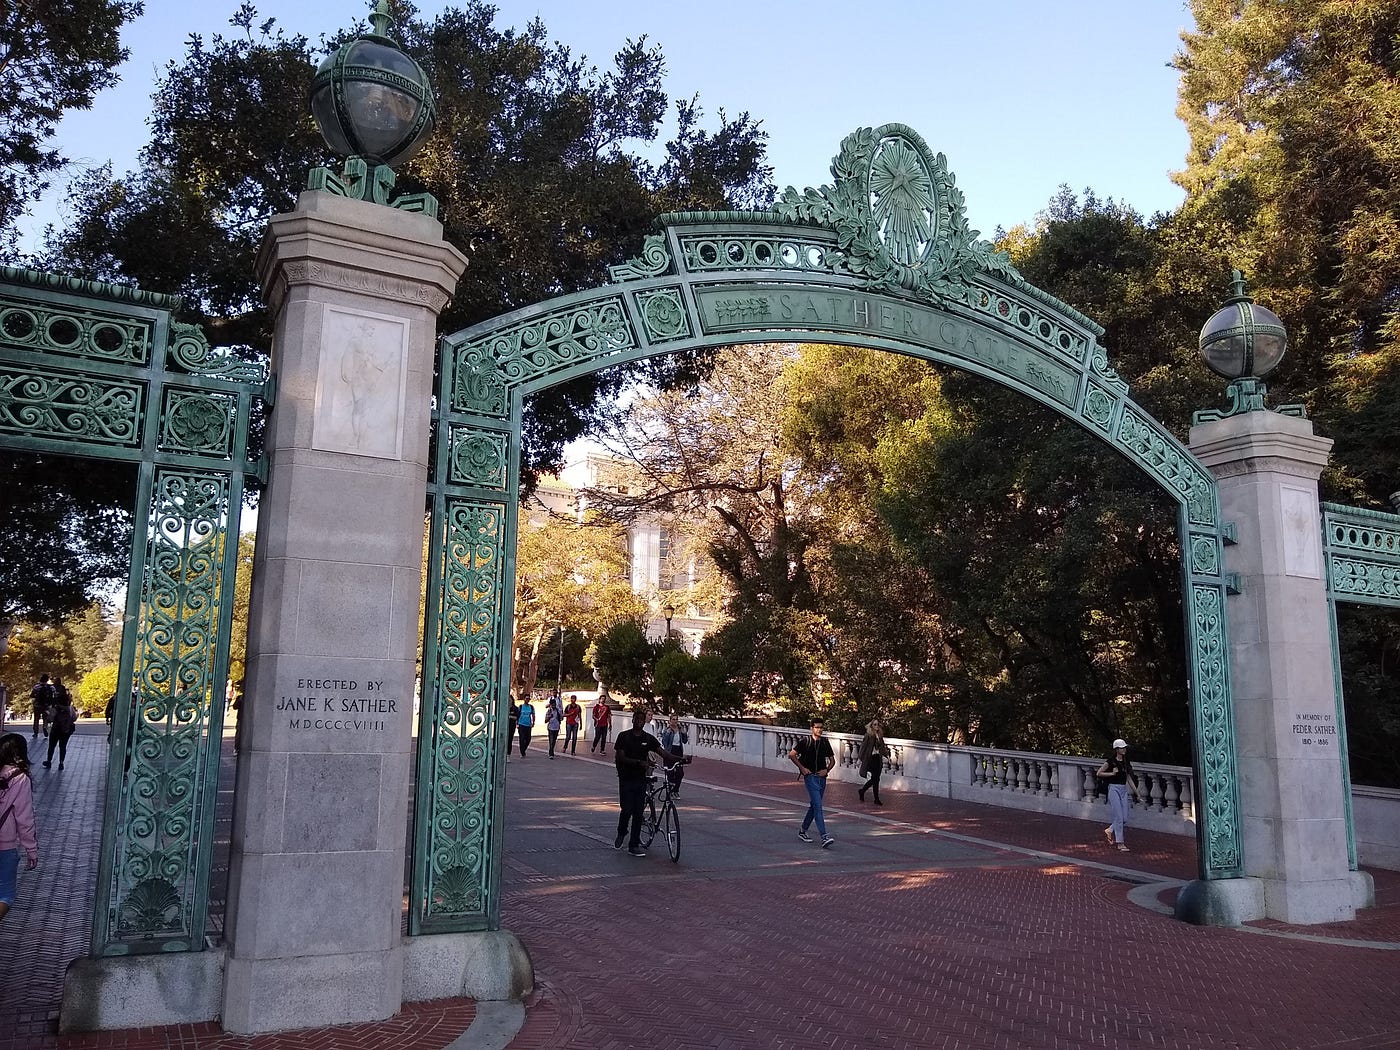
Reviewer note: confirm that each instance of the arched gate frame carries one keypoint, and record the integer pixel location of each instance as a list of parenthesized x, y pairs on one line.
[(103, 372), (882, 259)]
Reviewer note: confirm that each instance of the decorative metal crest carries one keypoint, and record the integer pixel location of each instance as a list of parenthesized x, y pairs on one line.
[(359, 181), (900, 219)]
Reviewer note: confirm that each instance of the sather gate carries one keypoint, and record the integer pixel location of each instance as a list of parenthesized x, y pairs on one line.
[(883, 259)]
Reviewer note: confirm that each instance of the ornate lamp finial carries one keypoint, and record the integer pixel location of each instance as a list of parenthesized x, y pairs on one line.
[(1243, 342), (375, 108)]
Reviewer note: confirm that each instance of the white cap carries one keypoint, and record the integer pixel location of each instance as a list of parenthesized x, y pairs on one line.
[(1120, 742)]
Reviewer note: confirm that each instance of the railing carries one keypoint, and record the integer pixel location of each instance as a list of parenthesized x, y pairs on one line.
[(1060, 784)]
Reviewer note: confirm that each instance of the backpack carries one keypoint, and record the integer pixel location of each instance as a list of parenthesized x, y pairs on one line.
[(527, 716), (43, 696), (63, 713)]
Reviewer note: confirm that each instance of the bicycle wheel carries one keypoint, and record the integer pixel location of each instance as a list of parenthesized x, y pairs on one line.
[(649, 823), (671, 828)]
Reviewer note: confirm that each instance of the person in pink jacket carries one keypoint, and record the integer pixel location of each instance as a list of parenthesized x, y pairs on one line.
[(16, 816)]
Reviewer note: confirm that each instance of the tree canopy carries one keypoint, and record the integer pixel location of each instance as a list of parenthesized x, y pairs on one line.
[(543, 163), (55, 56)]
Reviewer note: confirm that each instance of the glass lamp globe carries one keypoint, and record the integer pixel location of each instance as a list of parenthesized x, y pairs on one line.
[(1243, 339), (371, 100)]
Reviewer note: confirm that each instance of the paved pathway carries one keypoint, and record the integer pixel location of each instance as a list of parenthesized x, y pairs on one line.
[(929, 924)]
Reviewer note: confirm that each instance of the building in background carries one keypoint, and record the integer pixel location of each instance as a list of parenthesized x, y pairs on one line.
[(664, 559)]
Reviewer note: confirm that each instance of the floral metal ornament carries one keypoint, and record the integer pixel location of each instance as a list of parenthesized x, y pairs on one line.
[(900, 218)]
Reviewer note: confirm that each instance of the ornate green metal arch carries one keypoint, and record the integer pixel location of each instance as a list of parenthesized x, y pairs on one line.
[(883, 259), (103, 371)]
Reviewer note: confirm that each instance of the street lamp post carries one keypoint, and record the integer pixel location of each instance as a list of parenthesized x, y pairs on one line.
[(668, 612), (559, 682)]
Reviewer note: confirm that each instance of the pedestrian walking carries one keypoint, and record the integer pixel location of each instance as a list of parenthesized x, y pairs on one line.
[(673, 741), (602, 722), (42, 697), (872, 759), (63, 721), (513, 717), (525, 724), (1117, 771), (16, 817), (573, 715), (814, 759), (632, 757), (553, 717)]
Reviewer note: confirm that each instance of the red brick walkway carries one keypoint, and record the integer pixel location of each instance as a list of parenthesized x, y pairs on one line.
[(929, 924)]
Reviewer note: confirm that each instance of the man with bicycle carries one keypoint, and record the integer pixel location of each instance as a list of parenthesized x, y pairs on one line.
[(631, 754)]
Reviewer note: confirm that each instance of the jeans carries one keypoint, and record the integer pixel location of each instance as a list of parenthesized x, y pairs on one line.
[(571, 739), (632, 797), (600, 739), (524, 738), (553, 739), (816, 788), (1118, 809)]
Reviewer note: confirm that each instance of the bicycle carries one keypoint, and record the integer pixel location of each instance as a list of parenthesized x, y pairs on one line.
[(667, 819)]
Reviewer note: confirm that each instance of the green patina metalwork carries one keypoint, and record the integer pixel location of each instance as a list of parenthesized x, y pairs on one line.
[(882, 259), (1361, 551), (102, 371), (374, 184)]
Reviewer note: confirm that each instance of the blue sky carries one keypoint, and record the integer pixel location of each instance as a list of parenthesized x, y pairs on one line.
[(1021, 95)]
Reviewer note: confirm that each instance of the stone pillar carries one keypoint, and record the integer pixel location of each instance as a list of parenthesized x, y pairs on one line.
[(317, 872), (1289, 763)]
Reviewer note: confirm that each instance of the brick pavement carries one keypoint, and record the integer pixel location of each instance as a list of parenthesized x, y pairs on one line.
[(930, 924)]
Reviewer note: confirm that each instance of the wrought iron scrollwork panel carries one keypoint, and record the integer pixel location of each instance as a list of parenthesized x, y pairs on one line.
[(74, 331), (41, 403), (157, 883), (1212, 706), (451, 841)]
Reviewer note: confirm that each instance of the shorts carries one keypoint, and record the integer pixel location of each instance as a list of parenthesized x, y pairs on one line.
[(9, 872)]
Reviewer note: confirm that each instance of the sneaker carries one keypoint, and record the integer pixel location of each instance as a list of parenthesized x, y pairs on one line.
[(46, 765), (617, 842), (804, 836), (637, 851), (1108, 834), (60, 767), (828, 842)]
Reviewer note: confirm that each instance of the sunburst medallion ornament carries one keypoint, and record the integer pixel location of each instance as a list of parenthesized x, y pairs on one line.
[(902, 201)]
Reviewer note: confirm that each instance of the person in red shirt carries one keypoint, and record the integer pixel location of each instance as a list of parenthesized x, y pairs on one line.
[(573, 715), (602, 720)]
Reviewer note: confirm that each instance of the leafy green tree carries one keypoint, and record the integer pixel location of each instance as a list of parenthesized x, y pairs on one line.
[(35, 648), (534, 160), (568, 573), (1291, 114), (625, 659), (67, 532), (95, 689), (55, 56), (710, 454)]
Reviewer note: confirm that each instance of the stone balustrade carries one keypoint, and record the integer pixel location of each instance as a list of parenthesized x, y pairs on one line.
[(1060, 784)]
